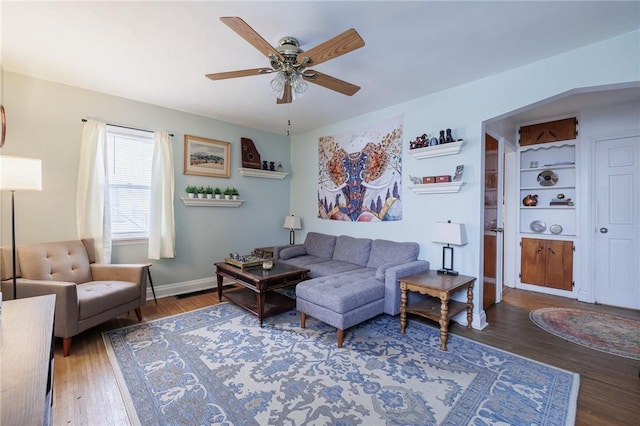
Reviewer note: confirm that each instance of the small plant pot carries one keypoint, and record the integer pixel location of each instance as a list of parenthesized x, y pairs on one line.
[(227, 197), (201, 195), (217, 196), (235, 197), (191, 194)]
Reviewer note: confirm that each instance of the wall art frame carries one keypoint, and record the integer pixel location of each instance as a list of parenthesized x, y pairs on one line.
[(206, 157)]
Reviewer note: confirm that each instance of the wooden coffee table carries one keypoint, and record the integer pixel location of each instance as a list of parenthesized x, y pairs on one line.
[(258, 295)]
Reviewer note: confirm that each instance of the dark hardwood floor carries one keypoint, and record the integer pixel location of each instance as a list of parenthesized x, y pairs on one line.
[(86, 392)]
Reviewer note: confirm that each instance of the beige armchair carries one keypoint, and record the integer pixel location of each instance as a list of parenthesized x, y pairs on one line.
[(87, 293)]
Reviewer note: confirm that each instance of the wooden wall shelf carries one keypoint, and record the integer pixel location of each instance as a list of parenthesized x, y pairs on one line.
[(268, 174), (210, 202)]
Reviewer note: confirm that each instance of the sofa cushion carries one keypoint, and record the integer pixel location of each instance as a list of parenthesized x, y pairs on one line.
[(320, 245), (293, 251), (331, 267), (340, 295), (96, 297), (304, 261), (58, 261), (353, 250), (384, 252)]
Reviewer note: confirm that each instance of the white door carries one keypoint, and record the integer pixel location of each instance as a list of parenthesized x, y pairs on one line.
[(617, 216)]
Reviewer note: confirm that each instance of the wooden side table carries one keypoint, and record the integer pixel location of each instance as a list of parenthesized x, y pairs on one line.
[(441, 286)]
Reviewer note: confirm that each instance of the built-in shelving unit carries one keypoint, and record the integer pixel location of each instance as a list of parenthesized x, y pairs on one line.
[(437, 150), (210, 202), (259, 173), (436, 188), (556, 159)]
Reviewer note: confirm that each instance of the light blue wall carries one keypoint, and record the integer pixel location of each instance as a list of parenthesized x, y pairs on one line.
[(44, 121), (463, 109)]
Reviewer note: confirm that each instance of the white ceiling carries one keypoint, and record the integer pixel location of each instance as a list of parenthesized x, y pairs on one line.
[(159, 52)]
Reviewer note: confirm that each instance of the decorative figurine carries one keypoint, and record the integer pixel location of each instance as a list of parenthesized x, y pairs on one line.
[(449, 138), (264, 165), (280, 167), (272, 166), (442, 138)]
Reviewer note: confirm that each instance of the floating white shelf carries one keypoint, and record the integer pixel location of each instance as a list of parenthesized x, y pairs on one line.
[(437, 150), (210, 202), (262, 173), (436, 188)]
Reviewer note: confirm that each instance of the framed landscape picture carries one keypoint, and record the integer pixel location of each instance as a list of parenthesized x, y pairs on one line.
[(206, 157)]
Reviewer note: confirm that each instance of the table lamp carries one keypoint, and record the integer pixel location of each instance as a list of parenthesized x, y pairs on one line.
[(291, 223), (449, 233), (18, 174)]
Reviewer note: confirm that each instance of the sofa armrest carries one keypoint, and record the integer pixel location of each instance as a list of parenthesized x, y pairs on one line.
[(392, 287), (135, 273), (66, 312), (288, 251), (120, 272)]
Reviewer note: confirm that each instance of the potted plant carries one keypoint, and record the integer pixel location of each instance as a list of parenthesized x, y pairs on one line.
[(217, 193), (191, 191), (227, 193), (234, 193), (209, 191), (201, 193)]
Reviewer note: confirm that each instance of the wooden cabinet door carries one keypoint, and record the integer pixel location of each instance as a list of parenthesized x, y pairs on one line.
[(532, 261), (551, 131), (559, 262), (547, 263)]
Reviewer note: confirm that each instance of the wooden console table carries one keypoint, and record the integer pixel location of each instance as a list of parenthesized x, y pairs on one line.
[(26, 388), (441, 287)]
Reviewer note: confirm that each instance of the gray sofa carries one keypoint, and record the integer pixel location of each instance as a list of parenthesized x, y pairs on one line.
[(351, 279)]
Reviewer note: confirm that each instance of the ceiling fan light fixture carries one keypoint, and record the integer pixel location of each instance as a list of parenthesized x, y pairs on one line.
[(277, 84), (298, 86)]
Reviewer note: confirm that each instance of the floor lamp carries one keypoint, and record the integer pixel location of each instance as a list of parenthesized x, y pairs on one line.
[(291, 223), (18, 174)]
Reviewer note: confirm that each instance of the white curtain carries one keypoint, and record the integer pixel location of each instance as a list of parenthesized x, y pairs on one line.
[(162, 221), (93, 218)]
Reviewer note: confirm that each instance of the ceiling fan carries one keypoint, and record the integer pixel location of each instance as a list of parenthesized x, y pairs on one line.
[(290, 63)]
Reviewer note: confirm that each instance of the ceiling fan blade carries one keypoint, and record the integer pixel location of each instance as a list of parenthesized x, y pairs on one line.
[(332, 83), (240, 73), (286, 96), (339, 45), (249, 34)]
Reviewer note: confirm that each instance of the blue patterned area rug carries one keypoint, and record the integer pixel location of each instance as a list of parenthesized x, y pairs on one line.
[(217, 366)]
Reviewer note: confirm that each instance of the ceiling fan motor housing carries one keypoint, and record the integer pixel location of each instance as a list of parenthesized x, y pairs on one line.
[(289, 47)]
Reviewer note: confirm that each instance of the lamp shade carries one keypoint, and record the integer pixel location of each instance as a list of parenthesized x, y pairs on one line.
[(20, 174), (292, 222), (449, 233)]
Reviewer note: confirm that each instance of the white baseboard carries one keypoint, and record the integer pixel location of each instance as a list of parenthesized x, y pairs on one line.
[(174, 289)]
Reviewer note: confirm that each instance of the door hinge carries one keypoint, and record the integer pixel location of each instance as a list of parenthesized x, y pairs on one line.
[(573, 283)]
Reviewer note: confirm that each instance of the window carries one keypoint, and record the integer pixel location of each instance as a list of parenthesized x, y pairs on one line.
[(130, 154)]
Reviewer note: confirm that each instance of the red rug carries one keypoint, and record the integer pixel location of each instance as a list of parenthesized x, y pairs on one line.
[(603, 332)]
